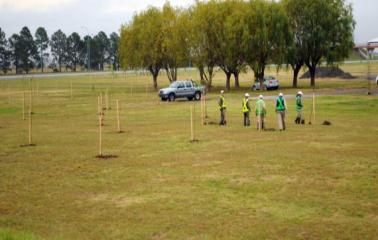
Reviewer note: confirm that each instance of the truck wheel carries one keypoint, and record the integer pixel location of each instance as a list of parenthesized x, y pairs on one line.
[(171, 97), (197, 96)]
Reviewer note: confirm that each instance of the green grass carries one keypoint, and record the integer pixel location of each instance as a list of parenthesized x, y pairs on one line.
[(310, 182)]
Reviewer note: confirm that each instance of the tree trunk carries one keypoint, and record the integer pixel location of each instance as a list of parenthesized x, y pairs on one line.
[(210, 78), (41, 60), (202, 72), (154, 78), (60, 66), (312, 74), (155, 73), (236, 75), (296, 70), (228, 78)]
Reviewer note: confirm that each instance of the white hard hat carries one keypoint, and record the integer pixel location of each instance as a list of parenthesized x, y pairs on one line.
[(246, 95), (222, 91), (261, 96), (281, 94), (300, 93)]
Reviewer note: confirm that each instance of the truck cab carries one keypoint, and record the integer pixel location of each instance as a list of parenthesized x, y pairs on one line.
[(182, 89)]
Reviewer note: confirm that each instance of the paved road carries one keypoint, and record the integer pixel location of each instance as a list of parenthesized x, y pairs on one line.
[(49, 75)]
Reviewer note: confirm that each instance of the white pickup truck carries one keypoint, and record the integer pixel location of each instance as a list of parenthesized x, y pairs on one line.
[(182, 89)]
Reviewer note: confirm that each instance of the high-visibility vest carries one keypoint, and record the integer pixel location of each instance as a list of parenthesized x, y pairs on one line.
[(245, 105), (280, 106), (260, 111), (223, 104), (298, 102)]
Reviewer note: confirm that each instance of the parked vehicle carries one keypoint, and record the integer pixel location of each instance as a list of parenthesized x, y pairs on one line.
[(376, 80), (270, 83), (182, 89)]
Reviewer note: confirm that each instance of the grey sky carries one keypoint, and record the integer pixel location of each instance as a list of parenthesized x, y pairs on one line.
[(96, 15)]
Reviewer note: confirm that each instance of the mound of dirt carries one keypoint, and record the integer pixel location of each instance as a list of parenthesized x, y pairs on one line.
[(329, 72)]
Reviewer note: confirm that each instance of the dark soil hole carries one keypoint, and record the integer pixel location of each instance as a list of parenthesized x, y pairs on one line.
[(269, 129), (28, 145), (194, 141), (106, 156), (327, 123)]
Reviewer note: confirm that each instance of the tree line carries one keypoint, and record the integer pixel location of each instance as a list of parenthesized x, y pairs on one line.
[(25, 52), (237, 35)]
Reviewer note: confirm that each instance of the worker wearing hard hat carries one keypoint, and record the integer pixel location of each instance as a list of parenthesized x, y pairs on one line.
[(222, 108), (260, 112), (298, 107), (246, 109), (281, 108)]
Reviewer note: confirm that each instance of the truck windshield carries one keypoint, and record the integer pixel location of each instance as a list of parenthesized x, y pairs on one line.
[(174, 85)]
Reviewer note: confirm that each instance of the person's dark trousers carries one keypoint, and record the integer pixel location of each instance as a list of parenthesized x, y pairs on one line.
[(223, 117), (246, 119)]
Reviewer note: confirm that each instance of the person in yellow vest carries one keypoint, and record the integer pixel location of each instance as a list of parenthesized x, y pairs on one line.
[(246, 109), (222, 108), (281, 108), (260, 112)]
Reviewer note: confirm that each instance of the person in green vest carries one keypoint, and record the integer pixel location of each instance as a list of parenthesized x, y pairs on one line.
[(260, 112), (222, 108), (298, 107), (280, 110), (246, 109)]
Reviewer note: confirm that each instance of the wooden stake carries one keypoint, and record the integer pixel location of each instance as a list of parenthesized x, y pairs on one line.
[(191, 124), (30, 118), (101, 101), (203, 111), (118, 121), (107, 100), (146, 88), (71, 90), (23, 107), (100, 134), (313, 105), (31, 101), (204, 105), (98, 106)]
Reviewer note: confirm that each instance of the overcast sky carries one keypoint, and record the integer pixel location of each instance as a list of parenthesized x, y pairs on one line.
[(92, 16)]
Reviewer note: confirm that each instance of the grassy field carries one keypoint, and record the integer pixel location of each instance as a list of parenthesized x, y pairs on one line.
[(309, 182)]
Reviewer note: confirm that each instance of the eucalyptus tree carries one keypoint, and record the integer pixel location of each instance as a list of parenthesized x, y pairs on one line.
[(5, 54), (42, 43), (75, 47), (141, 43), (23, 49), (266, 37), (323, 30), (113, 50), (58, 45), (101, 49)]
